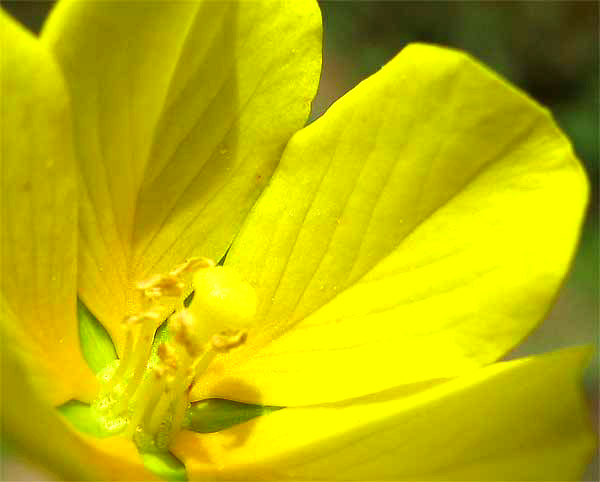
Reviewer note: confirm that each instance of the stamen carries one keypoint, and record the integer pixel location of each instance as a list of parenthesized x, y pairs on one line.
[(161, 285), (140, 318), (130, 324), (187, 333), (226, 340), (178, 416), (147, 396), (163, 407), (166, 417), (202, 363), (191, 266), (152, 295), (147, 322)]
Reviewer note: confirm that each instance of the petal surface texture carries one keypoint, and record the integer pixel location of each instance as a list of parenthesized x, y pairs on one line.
[(38, 215), (35, 427), (418, 230), (182, 111), (512, 421)]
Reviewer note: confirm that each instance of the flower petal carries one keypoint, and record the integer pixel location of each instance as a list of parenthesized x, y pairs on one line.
[(35, 427), (520, 420), (433, 211), (182, 110), (38, 215)]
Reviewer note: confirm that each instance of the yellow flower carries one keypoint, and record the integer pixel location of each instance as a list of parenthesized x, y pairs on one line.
[(379, 261)]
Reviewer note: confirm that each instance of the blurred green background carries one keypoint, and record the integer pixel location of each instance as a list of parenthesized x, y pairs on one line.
[(549, 49)]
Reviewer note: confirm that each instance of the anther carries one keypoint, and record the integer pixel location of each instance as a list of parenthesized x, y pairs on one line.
[(191, 266), (166, 353), (161, 285), (226, 340), (153, 294), (187, 333), (142, 317)]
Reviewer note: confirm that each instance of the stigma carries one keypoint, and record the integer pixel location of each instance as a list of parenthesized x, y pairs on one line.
[(145, 394)]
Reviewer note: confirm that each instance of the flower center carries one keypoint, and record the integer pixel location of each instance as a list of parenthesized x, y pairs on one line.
[(144, 394)]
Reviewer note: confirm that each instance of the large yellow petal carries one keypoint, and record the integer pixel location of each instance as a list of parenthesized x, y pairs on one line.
[(433, 210), (35, 427), (38, 215), (182, 110), (513, 421)]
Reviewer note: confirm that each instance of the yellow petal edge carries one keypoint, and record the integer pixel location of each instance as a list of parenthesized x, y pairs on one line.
[(418, 230), (181, 112), (512, 421), (38, 216)]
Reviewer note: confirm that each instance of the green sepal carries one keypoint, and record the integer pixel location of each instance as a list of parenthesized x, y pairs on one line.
[(217, 414), (165, 465), (83, 418), (96, 344)]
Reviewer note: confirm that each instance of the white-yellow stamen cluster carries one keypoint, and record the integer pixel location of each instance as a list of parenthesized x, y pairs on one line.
[(149, 395)]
